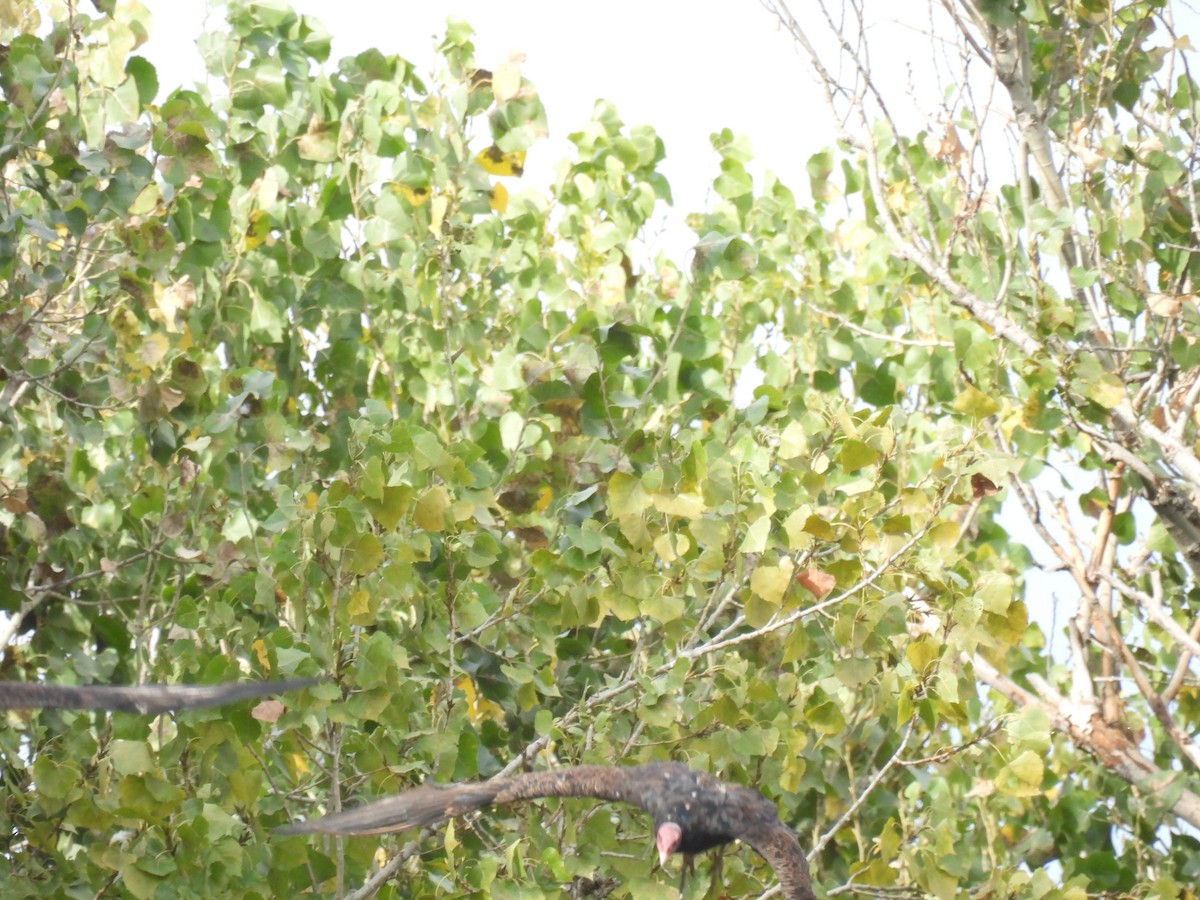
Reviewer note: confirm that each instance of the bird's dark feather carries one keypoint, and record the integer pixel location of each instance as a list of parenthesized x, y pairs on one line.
[(709, 812), (137, 698)]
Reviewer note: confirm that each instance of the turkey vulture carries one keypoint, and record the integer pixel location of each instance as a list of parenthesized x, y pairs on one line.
[(137, 698), (692, 811)]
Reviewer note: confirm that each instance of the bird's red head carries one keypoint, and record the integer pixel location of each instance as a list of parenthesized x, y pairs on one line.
[(668, 837)]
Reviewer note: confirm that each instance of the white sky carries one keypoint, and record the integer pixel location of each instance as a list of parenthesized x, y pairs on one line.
[(686, 69)]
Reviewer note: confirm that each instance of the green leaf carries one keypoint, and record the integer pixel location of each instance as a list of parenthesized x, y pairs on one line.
[(364, 555), (130, 757), (856, 455), (826, 718), (662, 608), (145, 77)]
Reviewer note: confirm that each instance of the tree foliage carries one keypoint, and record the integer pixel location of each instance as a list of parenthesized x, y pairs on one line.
[(298, 381)]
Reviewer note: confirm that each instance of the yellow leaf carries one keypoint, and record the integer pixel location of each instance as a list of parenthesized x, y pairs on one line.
[(1107, 390), (793, 527), (360, 604), (689, 506), (257, 230), (496, 162), (770, 583), (498, 198), (260, 650), (416, 196), (945, 534), (310, 501), (450, 842), (437, 214), (626, 496), (62, 231), (297, 764), (975, 403), (143, 204), (1023, 776), (171, 301), (793, 442), (819, 528), (479, 709), (670, 547), (755, 540), (430, 511), (921, 654)]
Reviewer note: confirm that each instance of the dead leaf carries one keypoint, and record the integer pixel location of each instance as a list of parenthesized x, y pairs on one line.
[(533, 538), (1165, 305), (816, 582), (268, 711), (188, 470), (982, 486)]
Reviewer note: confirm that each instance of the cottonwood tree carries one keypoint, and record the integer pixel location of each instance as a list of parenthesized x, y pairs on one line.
[(298, 380), (1046, 223)]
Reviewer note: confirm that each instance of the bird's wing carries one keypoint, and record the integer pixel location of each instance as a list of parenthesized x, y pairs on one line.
[(776, 843), (139, 698), (430, 804), (624, 785), (425, 805)]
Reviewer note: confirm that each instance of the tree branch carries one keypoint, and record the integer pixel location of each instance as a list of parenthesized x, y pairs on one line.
[(1108, 744)]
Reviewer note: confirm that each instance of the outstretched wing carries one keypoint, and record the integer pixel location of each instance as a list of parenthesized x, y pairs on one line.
[(139, 698), (425, 805), (430, 804), (776, 843)]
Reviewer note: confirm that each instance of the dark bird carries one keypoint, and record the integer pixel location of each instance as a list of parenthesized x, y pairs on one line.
[(138, 698), (692, 811)]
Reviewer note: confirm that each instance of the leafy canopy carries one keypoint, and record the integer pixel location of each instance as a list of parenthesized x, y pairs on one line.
[(298, 380)]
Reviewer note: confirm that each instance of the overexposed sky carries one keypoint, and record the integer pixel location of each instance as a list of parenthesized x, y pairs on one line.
[(686, 69)]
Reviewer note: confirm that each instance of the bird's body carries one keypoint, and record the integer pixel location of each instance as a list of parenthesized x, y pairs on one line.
[(693, 811), (137, 698)]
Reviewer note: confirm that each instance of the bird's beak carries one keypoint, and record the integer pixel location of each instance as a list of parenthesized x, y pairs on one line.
[(667, 839)]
